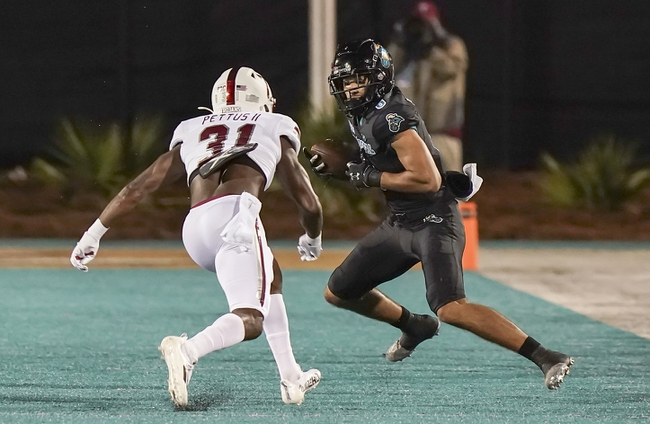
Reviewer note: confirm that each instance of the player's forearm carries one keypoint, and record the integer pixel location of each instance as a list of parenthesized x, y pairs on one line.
[(312, 220), (127, 199), (409, 181), (299, 189)]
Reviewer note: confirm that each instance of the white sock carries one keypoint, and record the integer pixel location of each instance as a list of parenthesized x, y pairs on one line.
[(276, 328), (226, 331)]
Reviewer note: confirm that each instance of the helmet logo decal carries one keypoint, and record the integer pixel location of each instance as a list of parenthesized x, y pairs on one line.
[(394, 121), (385, 59)]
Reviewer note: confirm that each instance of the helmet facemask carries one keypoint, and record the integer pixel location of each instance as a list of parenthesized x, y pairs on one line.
[(354, 91)]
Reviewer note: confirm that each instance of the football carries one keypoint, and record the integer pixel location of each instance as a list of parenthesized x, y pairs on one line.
[(336, 155)]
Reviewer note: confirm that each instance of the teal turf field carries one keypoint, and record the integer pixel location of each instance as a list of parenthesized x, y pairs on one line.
[(82, 348)]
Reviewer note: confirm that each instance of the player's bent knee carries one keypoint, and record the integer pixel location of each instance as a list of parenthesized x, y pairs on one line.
[(449, 313), (253, 322), (443, 315), (340, 290), (340, 301), (331, 298)]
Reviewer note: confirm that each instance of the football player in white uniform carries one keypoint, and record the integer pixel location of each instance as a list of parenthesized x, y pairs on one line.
[(230, 157)]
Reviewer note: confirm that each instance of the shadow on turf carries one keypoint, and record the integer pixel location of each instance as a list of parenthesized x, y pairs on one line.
[(204, 401)]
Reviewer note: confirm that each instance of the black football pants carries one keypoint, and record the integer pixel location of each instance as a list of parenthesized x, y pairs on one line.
[(395, 247)]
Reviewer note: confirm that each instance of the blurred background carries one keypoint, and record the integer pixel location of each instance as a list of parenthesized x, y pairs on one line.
[(544, 77)]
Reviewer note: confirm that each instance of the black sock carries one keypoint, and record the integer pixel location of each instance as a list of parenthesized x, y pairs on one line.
[(403, 320), (526, 350)]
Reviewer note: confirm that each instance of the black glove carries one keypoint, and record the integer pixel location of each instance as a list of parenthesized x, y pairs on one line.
[(458, 183), (317, 164), (363, 175)]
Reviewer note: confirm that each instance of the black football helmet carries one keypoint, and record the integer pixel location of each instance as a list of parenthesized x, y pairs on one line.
[(371, 65)]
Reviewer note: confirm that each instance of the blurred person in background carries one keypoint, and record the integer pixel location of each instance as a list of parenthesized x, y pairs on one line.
[(424, 225), (229, 158), (430, 66)]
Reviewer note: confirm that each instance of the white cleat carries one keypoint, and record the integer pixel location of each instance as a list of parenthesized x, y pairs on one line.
[(179, 367), (294, 393)]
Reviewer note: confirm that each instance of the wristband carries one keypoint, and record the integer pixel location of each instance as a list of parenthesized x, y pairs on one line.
[(97, 230), (373, 178)]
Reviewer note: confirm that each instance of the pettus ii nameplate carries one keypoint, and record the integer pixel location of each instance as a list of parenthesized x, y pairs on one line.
[(216, 163)]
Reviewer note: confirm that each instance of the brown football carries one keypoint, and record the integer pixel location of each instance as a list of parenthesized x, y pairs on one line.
[(336, 155)]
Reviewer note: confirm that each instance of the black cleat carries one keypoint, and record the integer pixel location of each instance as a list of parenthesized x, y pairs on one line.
[(555, 370), (406, 344), (554, 365)]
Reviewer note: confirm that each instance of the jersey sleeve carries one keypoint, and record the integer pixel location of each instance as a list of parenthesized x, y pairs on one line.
[(177, 137), (288, 128), (395, 119)]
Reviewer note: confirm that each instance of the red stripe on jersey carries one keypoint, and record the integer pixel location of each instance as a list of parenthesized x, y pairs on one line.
[(230, 86)]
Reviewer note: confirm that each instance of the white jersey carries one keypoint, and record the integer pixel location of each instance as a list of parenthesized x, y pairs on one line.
[(205, 137)]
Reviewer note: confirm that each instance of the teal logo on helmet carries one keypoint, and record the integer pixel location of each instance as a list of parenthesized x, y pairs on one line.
[(384, 58)]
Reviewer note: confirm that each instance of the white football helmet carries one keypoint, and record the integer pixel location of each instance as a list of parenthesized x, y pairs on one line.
[(241, 90)]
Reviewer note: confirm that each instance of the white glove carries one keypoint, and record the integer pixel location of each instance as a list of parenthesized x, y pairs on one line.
[(309, 248), (240, 230), (469, 169), (88, 246)]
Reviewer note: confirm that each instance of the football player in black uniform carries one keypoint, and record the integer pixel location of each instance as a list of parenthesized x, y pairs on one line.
[(424, 225)]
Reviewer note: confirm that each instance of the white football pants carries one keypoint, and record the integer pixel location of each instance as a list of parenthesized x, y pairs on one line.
[(245, 275)]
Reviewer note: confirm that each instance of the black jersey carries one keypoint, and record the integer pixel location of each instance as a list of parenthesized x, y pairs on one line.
[(375, 131)]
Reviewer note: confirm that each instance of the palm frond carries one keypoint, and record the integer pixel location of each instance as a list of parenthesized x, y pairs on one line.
[(93, 157), (603, 177)]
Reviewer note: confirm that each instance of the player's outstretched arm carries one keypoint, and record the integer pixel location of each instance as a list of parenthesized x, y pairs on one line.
[(296, 184), (166, 169)]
